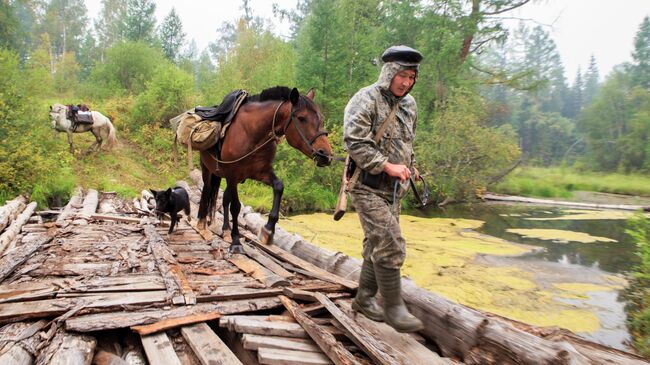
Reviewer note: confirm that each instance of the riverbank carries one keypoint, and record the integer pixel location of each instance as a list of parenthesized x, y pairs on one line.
[(447, 256)]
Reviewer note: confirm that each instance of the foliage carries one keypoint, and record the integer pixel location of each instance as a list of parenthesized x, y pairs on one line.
[(637, 294), (127, 67), (140, 21), (172, 36), (168, 94), (466, 154)]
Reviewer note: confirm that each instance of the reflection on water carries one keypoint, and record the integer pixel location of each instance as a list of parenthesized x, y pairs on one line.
[(614, 257)]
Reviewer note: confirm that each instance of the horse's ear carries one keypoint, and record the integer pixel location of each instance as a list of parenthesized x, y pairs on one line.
[(50, 107), (293, 97), (311, 93)]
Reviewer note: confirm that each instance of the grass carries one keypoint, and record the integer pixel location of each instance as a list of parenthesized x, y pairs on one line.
[(562, 182)]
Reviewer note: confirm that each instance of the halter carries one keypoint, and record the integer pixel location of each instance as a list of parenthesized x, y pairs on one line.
[(275, 137)]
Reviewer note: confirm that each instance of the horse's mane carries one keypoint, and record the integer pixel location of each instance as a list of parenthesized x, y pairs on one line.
[(276, 93)]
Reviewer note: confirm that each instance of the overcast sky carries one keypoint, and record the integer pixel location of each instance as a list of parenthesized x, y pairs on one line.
[(580, 28)]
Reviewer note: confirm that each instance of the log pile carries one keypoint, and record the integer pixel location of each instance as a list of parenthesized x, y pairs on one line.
[(104, 283)]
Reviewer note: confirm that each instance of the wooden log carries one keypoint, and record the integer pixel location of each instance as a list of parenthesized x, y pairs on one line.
[(106, 321), (257, 271), (69, 209), (401, 346), (10, 211), (68, 349), (14, 258), (254, 342), (19, 341), (90, 203), (267, 328), (175, 322), (159, 349), (12, 231), (114, 218), (289, 357), (165, 261), (520, 199), (207, 346), (330, 346)]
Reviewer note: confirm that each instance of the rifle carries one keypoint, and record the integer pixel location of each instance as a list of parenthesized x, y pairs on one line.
[(342, 201)]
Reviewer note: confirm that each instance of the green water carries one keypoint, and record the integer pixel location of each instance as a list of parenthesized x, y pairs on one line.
[(616, 257)]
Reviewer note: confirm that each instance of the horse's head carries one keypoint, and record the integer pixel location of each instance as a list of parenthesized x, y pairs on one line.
[(304, 130), (58, 114)]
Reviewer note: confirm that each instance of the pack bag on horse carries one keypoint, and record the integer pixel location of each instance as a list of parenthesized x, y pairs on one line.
[(75, 120), (248, 149), (200, 128)]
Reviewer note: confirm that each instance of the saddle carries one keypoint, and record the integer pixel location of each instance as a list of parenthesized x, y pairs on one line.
[(79, 114)]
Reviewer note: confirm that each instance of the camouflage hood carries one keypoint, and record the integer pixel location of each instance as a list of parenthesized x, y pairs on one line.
[(388, 71)]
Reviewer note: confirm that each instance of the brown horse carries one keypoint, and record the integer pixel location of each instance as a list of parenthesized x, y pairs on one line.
[(249, 147)]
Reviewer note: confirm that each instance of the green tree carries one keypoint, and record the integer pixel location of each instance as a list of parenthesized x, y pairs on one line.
[(9, 27), (641, 55), (172, 36), (591, 81), (66, 22), (110, 26), (140, 21)]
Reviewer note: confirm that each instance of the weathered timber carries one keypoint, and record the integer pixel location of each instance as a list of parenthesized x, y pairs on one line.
[(164, 261), (89, 204), (296, 261), (68, 349), (72, 269), (106, 321), (10, 211), (175, 322), (16, 257), (159, 349), (9, 234), (257, 271), (19, 341), (69, 209), (400, 345), (267, 262), (262, 327), (183, 283), (207, 346), (330, 346), (230, 293), (271, 356), (253, 342), (114, 218), (50, 307)]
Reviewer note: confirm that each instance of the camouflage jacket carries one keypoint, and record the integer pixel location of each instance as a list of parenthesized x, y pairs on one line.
[(365, 113)]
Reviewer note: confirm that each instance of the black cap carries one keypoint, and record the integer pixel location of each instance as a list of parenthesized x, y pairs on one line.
[(403, 55)]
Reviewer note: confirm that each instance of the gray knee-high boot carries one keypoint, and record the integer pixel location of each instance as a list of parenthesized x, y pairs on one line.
[(365, 302), (395, 312)]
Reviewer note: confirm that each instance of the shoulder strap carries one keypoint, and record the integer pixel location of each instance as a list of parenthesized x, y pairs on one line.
[(380, 132)]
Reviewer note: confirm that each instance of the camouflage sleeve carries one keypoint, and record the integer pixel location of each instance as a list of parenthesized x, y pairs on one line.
[(360, 114), (415, 124)]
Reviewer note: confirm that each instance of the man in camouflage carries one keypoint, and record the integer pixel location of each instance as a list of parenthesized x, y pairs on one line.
[(385, 169)]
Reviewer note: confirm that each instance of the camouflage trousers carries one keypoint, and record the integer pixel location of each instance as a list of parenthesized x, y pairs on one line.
[(383, 243)]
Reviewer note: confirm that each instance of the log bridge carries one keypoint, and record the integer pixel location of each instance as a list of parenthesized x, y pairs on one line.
[(100, 281)]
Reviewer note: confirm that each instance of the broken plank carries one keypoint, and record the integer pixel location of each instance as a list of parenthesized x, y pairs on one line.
[(253, 342), (257, 271), (207, 346), (68, 349), (271, 356), (261, 327), (105, 321), (325, 340), (267, 262), (175, 322), (159, 349), (400, 345), (296, 261), (14, 258), (165, 260), (114, 218)]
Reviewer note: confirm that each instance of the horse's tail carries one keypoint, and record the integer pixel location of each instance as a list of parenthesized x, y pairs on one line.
[(111, 140), (208, 203)]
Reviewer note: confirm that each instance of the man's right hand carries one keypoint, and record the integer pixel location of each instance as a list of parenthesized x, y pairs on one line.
[(401, 172)]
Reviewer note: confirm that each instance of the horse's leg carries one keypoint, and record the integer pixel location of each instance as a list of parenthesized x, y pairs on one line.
[(70, 141), (267, 231), (211, 184), (235, 207), (225, 228), (98, 141)]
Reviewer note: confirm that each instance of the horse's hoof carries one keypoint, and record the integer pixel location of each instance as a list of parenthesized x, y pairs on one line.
[(265, 236), (200, 225), (226, 236), (236, 249)]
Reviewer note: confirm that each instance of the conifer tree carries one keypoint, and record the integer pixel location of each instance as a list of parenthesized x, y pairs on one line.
[(140, 21), (172, 36), (641, 55), (591, 81)]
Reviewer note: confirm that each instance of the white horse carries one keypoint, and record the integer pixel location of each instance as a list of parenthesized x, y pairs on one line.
[(102, 128)]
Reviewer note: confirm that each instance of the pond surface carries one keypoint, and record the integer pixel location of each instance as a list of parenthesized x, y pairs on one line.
[(613, 257)]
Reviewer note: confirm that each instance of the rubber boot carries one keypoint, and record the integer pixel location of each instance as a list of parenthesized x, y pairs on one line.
[(365, 301), (395, 312)]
